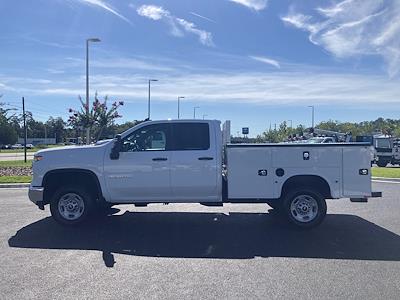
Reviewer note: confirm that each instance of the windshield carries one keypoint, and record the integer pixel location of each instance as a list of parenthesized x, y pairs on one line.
[(382, 143)]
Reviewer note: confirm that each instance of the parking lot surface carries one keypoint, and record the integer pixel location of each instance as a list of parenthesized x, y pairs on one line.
[(190, 251)]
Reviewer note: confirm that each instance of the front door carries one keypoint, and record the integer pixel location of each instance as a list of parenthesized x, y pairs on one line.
[(142, 172)]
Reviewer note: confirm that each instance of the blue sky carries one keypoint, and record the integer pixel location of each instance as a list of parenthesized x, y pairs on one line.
[(255, 62)]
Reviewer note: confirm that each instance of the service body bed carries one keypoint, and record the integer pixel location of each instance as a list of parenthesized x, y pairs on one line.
[(259, 171)]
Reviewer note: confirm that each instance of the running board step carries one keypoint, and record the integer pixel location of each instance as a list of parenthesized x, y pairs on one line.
[(212, 203)]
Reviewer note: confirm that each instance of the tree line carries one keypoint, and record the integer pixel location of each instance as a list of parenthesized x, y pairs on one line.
[(100, 119), (102, 123)]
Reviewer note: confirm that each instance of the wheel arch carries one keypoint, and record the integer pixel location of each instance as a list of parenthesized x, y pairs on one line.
[(313, 182), (53, 178)]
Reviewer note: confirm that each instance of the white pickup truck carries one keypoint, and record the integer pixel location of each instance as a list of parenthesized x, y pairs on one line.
[(190, 161)]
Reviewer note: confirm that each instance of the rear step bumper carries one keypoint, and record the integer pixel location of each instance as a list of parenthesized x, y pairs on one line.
[(365, 199), (376, 194)]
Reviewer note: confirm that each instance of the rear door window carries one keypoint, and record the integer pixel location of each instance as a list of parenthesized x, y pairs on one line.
[(191, 136)]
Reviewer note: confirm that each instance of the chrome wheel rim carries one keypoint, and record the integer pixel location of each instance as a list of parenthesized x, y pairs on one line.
[(71, 206), (304, 208)]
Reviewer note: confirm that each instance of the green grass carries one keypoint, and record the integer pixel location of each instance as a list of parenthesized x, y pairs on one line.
[(15, 163), (17, 150), (15, 179), (386, 172)]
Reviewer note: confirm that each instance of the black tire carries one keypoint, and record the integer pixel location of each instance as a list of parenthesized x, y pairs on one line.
[(295, 205), (381, 163), (59, 211)]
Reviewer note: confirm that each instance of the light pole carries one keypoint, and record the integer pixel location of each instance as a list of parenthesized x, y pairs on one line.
[(291, 123), (312, 115), (204, 116), (194, 111), (94, 40), (179, 100), (148, 104)]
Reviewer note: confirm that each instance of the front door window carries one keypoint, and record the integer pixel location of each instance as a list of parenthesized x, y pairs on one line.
[(148, 138)]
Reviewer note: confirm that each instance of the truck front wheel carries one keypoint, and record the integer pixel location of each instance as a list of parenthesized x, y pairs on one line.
[(71, 205), (305, 208)]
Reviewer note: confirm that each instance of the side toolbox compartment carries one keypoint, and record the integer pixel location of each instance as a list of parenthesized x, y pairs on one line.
[(249, 172), (356, 172)]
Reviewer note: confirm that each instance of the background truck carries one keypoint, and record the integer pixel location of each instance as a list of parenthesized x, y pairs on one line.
[(191, 161), (386, 150)]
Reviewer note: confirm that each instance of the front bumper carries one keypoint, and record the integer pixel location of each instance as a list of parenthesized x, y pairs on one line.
[(36, 195)]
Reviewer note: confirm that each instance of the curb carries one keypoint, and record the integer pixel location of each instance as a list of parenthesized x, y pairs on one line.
[(386, 178), (14, 185)]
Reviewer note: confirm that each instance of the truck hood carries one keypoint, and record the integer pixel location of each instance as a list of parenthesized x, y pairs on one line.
[(74, 155), (73, 149)]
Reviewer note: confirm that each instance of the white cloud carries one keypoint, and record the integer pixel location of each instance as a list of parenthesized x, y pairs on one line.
[(114, 64), (354, 28), (48, 43), (177, 26), (129, 63), (153, 12), (204, 37), (253, 4), (103, 5), (202, 17), (266, 60), (257, 88), (3, 87), (55, 71)]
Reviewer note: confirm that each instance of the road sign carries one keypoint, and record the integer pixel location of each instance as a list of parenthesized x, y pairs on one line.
[(245, 130)]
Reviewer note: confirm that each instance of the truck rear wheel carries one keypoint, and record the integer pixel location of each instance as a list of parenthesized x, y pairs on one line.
[(381, 163), (71, 205), (305, 208)]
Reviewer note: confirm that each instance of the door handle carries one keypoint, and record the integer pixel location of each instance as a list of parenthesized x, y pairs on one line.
[(160, 158), (206, 158)]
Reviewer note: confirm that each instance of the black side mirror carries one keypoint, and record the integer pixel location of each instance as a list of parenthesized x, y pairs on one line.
[(116, 148)]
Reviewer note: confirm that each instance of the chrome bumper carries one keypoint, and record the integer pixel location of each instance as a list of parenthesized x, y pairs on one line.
[(36, 194)]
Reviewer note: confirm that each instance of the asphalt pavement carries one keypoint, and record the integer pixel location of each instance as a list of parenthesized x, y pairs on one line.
[(186, 251)]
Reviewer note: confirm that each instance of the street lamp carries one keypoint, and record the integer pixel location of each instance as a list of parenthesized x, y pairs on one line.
[(179, 99), (93, 40), (312, 116), (194, 111), (148, 104), (291, 123), (204, 116)]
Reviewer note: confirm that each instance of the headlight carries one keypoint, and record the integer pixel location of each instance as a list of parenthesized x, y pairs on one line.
[(37, 157)]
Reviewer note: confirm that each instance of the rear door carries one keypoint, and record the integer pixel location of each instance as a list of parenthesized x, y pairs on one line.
[(193, 162)]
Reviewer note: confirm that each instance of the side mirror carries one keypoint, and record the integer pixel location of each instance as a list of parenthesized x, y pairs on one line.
[(116, 148)]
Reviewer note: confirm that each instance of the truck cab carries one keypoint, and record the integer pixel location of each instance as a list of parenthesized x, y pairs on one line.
[(384, 150), (166, 161)]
